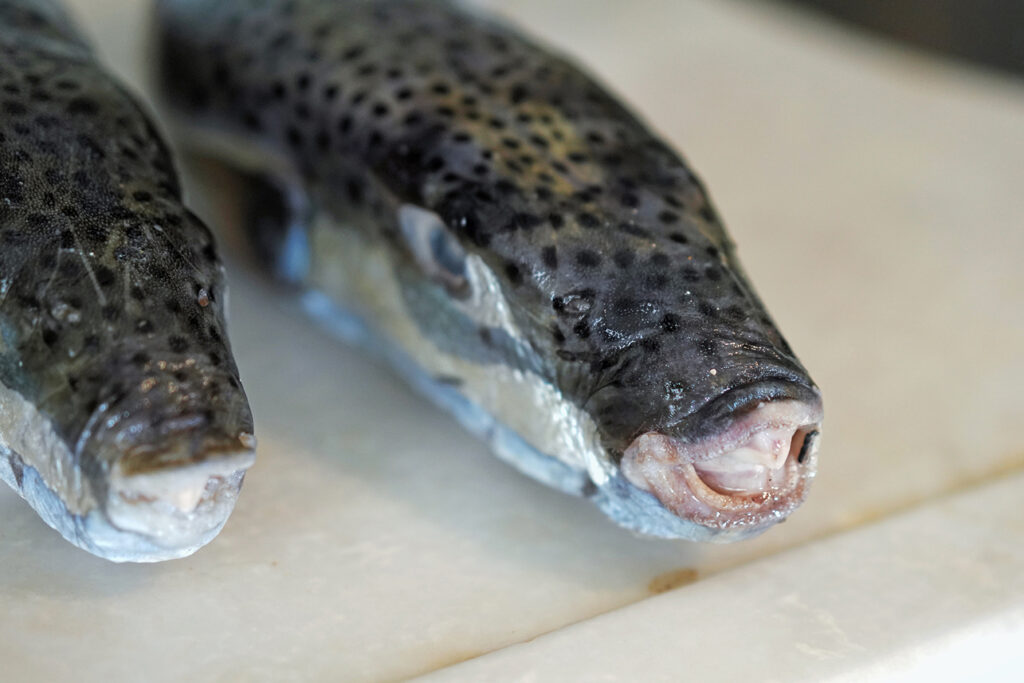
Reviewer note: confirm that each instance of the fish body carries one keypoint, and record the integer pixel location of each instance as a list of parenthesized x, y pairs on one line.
[(513, 239), (122, 419)]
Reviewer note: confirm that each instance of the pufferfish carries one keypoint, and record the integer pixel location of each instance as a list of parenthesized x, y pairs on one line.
[(122, 418), (522, 248)]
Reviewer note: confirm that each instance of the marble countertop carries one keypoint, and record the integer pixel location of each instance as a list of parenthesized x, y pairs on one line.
[(876, 197)]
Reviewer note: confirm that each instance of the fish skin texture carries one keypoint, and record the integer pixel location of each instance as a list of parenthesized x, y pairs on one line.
[(614, 262), (111, 292)]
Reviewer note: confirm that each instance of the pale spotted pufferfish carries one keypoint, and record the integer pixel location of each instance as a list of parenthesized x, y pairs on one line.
[(122, 419), (520, 246)]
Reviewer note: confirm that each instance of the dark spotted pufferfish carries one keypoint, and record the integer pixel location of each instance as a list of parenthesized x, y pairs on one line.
[(122, 419), (522, 248)]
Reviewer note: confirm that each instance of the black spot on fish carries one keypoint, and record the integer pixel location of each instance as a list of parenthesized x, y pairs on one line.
[(105, 276), (670, 323), (588, 258), (83, 106), (514, 273)]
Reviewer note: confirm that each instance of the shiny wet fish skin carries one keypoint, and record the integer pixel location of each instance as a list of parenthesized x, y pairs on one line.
[(122, 419), (512, 238)]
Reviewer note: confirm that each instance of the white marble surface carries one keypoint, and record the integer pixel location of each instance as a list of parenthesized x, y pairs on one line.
[(935, 594), (875, 195)]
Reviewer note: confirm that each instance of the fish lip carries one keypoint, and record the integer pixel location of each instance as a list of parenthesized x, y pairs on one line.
[(180, 505), (668, 466), (142, 459), (717, 415)]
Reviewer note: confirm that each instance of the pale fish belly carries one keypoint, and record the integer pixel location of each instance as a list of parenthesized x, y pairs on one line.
[(354, 290)]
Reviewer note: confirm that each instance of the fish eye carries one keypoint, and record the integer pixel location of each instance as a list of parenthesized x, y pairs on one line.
[(448, 253), (435, 249)]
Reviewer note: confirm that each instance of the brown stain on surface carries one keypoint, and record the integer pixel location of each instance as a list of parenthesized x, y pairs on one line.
[(672, 580)]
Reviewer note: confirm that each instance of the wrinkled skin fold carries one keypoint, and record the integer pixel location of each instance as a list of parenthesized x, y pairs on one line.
[(122, 419), (522, 248)]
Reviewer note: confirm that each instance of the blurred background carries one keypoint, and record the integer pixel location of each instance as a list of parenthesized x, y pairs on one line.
[(989, 32)]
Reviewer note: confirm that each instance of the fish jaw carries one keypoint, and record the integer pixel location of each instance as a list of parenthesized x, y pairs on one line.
[(179, 508), (144, 503), (169, 445), (744, 479)]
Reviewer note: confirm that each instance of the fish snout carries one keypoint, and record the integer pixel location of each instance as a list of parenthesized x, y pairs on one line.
[(173, 437), (748, 476)]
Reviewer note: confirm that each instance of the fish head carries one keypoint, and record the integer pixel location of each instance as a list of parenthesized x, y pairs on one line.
[(657, 337), (698, 398), (167, 445), (120, 339), (169, 436)]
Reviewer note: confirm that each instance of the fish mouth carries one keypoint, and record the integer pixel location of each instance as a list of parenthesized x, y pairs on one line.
[(751, 475), (180, 507)]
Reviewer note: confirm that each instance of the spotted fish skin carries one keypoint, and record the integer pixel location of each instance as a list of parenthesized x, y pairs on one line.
[(117, 385), (623, 290)]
